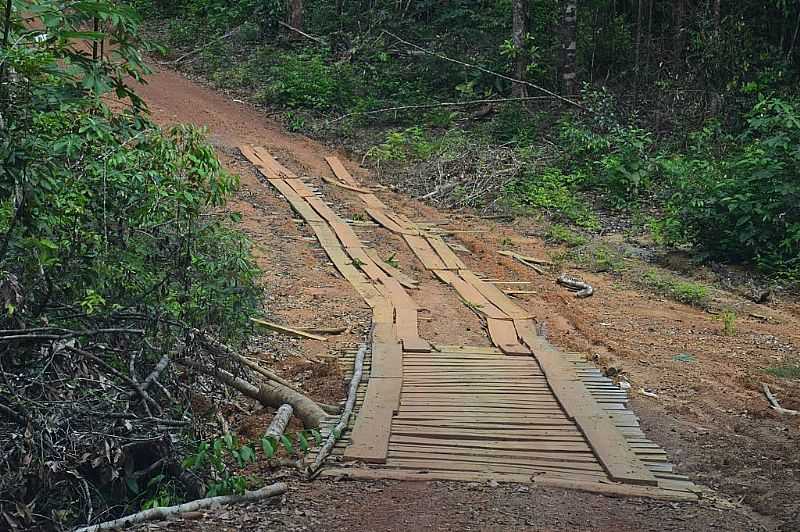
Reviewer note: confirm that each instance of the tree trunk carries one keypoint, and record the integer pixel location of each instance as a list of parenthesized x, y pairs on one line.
[(569, 47), (717, 14), (521, 59), (296, 16), (679, 40)]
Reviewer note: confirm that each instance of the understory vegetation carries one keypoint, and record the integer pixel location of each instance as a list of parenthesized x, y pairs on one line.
[(687, 117), (118, 263)]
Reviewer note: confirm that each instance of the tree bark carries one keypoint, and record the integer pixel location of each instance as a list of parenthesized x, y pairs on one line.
[(279, 422), (270, 394), (679, 39), (296, 15), (165, 512), (521, 59), (569, 47)]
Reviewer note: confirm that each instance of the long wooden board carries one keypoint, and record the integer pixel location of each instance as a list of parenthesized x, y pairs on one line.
[(405, 280), (369, 440)]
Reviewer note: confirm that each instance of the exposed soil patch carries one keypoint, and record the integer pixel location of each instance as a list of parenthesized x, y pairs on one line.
[(710, 414)]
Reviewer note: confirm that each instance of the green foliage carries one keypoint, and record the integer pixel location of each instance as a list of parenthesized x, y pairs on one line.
[(688, 292), (411, 143), (788, 370), (728, 319), (561, 234), (612, 158), (743, 204), (554, 191)]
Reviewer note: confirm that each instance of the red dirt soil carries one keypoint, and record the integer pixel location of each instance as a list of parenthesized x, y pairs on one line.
[(710, 415)]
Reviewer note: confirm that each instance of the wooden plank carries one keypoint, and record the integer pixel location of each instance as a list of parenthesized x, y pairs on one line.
[(280, 171), (461, 465), (345, 186), (424, 252), (450, 259), (405, 280), (371, 432), (527, 419), (542, 457), (470, 295), (372, 201), (608, 443), (496, 444), (405, 311), (504, 336), (380, 217), (495, 296), (302, 190), (288, 330), (494, 435), (444, 348), (387, 354), (506, 460), (364, 263), (539, 480), (340, 171)]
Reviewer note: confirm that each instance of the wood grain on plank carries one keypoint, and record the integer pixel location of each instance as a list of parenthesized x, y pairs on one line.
[(450, 259), (495, 296), (384, 221), (608, 443), (340, 171), (370, 435), (424, 252), (405, 280)]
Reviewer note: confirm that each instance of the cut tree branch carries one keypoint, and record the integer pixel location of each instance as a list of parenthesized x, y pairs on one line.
[(165, 512)]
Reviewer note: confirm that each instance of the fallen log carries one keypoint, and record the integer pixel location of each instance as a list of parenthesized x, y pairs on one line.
[(166, 512), (271, 394), (279, 422)]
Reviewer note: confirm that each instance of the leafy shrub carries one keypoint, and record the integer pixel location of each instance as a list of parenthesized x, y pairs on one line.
[(411, 143), (615, 161), (554, 191), (306, 80), (745, 204)]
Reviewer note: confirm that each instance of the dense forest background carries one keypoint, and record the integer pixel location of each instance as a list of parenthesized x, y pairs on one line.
[(686, 115)]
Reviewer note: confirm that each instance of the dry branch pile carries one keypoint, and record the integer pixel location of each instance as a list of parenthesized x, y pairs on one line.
[(90, 415), (468, 175)]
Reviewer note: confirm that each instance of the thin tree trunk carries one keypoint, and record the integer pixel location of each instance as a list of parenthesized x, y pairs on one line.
[(279, 422), (569, 42), (521, 60), (638, 52), (296, 15), (717, 14), (679, 19)]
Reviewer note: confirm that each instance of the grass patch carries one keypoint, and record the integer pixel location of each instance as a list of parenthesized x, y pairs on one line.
[(688, 292), (787, 370), (599, 259), (561, 234)]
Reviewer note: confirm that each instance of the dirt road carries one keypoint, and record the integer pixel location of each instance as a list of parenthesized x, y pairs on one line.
[(709, 415)]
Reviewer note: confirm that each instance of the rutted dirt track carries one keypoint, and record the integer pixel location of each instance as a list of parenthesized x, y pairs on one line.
[(709, 416)]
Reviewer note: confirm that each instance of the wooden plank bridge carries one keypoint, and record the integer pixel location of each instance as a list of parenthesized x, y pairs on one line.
[(521, 411)]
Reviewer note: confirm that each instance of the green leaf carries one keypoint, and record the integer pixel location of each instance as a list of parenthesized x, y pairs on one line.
[(302, 442), (287, 444), (268, 446)]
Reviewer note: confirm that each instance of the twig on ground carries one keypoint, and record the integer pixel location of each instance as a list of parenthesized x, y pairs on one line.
[(165, 512), (443, 104), (301, 32)]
